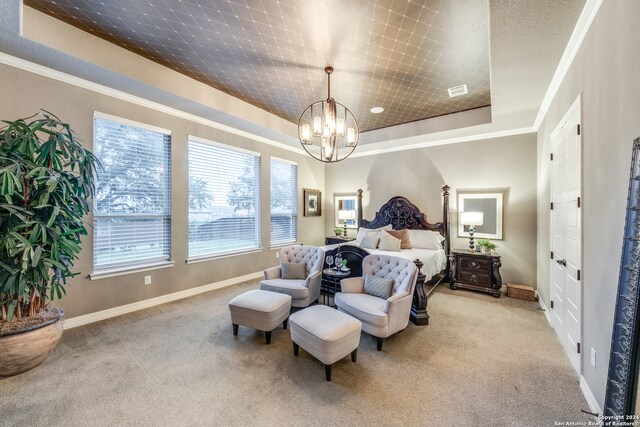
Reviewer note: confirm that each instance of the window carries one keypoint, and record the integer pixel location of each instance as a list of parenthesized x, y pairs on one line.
[(132, 214), (284, 206), (224, 199)]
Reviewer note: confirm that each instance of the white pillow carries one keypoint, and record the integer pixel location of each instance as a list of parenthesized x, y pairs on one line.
[(389, 243), (425, 239), (363, 232), (370, 242)]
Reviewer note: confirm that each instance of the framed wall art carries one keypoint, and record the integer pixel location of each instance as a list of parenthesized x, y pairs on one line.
[(312, 202)]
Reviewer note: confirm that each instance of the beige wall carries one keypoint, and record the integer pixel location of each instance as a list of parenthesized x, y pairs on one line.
[(605, 73), (502, 163), (25, 93)]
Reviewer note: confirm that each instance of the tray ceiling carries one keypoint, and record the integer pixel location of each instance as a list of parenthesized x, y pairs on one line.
[(401, 55)]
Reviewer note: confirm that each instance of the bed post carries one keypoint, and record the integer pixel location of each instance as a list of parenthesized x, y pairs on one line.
[(359, 207), (445, 224)]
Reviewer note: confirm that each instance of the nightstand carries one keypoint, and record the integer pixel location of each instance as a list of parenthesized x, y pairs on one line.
[(334, 240), (472, 270)]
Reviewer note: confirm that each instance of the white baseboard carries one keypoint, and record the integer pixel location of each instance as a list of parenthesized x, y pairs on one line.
[(544, 308), (589, 397), (85, 319)]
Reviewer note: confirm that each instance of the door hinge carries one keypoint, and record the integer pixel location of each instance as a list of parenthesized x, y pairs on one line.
[(551, 254), (578, 274), (578, 201), (578, 129), (551, 303), (551, 205), (578, 348), (551, 156)]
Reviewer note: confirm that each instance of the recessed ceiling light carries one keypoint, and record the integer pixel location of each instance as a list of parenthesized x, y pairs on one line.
[(377, 110)]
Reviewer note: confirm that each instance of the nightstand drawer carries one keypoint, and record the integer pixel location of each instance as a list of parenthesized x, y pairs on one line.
[(474, 263), (474, 278)]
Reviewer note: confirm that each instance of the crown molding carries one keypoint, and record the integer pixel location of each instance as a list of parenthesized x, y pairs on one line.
[(445, 141), (573, 45), (41, 70)]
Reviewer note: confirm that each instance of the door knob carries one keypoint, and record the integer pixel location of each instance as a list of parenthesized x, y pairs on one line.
[(562, 262)]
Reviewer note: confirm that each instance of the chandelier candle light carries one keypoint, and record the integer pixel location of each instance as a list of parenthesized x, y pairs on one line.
[(472, 219), (327, 129)]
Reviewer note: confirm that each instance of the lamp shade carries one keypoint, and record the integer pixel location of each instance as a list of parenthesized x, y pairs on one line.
[(471, 218)]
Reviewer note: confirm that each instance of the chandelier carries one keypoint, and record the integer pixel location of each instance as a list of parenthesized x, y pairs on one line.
[(327, 130)]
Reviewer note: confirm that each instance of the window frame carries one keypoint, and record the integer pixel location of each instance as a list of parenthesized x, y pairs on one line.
[(130, 268), (258, 220), (282, 243)]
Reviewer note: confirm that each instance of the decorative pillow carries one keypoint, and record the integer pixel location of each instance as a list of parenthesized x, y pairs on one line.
[(389, 243), (293, 270), (364, 232), (378, 286), (370, 242), (403, 235), (426, 239)]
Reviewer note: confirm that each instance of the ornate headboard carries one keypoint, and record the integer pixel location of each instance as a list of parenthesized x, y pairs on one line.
[(401, 213)]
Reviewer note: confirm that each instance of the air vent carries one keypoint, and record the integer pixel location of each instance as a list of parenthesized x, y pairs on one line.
[(457, 91)]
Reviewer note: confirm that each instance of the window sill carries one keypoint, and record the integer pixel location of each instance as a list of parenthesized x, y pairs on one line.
[(205, 258), (282, 245), (129, 270)]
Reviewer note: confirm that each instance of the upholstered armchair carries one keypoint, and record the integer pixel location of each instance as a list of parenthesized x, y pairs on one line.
[(298, 274), (380, 317)]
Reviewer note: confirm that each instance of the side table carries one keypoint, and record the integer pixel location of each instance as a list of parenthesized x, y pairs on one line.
[(471, 270), (331, 278), (335, 240)]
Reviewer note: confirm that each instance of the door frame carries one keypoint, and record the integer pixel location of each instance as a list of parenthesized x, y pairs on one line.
[(575, 108)]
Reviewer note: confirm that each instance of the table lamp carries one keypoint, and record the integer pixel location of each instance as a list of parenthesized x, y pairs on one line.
[(471, 219), (345, 216)]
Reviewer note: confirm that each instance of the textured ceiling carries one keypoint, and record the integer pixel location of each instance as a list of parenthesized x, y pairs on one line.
[(398, 54)]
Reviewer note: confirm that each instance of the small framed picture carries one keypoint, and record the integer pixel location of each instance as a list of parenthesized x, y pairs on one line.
[(312, 202)]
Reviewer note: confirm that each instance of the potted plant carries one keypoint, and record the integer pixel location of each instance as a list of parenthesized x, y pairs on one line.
[(486, 246), (338, 231), (46, 181)]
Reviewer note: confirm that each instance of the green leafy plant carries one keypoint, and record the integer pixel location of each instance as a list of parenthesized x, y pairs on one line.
[(46, 182), (486, 243), (337, 230)]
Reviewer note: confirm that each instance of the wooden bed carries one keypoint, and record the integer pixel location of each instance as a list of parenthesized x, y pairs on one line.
[(402, 214)]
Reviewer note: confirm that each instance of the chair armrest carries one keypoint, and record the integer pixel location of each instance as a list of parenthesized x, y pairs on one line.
[(394, 300), (273, 273), (311, 278), (352, 285)]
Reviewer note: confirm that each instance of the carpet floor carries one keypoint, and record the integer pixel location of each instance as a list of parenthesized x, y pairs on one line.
[(481, 362)]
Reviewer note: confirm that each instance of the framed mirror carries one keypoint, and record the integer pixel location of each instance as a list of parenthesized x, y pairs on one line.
[(621, 397), (346, 210), (490, 205)]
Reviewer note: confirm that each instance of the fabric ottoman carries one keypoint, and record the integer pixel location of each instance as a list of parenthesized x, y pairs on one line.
[(261, 310), (326, 334)]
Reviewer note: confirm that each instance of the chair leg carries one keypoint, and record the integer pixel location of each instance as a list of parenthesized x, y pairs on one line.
[(235, 329), (267, 335), (379, 343), (284, 324), (354, 354), (327, 372), (296, 349)]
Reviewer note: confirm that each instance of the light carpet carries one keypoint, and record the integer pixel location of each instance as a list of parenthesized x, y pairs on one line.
[(481, 362)]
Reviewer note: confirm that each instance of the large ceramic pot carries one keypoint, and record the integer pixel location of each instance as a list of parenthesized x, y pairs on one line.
[(26, 349)]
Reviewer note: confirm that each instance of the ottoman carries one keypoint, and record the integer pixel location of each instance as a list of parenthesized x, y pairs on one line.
[(261, 310), (326, 333)]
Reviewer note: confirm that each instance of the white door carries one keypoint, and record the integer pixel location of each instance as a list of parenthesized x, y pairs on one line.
[(566, 291)]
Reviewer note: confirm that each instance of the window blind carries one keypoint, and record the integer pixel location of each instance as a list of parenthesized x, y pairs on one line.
[(284, 206), (224, 199), (132, 213)]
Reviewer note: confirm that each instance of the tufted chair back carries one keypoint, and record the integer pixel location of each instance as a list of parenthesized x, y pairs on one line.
[(403, 271), (311, 255)]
